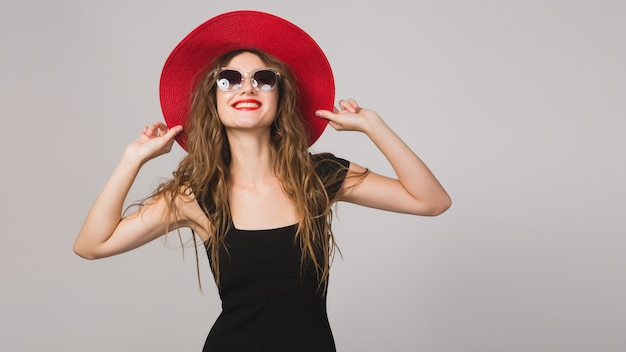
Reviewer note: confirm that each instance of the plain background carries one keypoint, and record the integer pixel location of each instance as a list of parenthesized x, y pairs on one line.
[(517, 106)]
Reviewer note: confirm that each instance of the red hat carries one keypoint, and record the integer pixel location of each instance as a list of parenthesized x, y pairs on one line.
[(248, 29)]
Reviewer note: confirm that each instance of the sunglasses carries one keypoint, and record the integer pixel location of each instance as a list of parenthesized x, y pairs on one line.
[(262, 79)]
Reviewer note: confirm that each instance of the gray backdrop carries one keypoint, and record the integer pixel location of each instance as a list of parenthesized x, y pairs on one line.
[(518, 107)]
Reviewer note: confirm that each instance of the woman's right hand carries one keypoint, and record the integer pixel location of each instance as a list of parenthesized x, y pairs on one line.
[(155, 140), (105, 231)]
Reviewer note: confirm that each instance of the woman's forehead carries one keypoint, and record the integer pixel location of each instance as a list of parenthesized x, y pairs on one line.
[(246, 61)]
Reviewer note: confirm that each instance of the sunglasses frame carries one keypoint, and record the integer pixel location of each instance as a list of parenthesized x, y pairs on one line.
[(245, 75)]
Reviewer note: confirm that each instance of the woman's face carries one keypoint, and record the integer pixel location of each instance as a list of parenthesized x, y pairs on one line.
[(247, 108)]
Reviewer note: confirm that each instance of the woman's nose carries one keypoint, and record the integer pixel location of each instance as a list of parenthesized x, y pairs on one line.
[(246, 85)]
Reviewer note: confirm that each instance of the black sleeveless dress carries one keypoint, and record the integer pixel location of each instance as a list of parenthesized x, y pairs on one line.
[(268, 303)]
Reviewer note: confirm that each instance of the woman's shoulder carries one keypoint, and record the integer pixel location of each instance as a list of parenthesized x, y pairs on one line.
[(327, 163), (331, 170)]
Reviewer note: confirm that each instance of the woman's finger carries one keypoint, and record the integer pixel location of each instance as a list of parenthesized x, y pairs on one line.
[(173, 132), (161, 126), (349, 104)]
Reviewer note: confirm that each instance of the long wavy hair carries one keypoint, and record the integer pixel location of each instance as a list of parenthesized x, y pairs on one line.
[(205, 170)]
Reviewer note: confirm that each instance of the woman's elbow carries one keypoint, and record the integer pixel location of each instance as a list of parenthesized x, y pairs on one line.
[(443, 207), (437, 207), (84, 253)]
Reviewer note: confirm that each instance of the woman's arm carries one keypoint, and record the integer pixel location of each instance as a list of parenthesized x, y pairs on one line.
[(104, 232), (415, 191)]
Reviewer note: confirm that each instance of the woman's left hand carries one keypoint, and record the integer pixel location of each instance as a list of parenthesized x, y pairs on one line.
[(414, 191), (350, 117)]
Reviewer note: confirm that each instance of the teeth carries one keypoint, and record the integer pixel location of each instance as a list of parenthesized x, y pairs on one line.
[(246, 105)]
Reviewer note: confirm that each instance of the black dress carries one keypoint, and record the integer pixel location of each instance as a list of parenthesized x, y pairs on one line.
[(268, 303)]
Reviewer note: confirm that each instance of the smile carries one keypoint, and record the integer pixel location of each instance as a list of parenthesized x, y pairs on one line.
[(247, 105)]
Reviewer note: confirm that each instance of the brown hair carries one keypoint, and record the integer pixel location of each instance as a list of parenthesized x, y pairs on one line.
[(205, 170)]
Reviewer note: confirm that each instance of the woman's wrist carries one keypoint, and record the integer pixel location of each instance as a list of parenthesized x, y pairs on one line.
[(374, 125), (132, 160)]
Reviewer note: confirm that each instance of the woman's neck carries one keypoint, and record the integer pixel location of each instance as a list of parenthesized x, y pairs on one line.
[(251, 160)]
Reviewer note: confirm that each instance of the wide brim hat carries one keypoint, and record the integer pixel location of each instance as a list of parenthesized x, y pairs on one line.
[(240, 30)]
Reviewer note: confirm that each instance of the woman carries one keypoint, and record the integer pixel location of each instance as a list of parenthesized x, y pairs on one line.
[(249, 188)]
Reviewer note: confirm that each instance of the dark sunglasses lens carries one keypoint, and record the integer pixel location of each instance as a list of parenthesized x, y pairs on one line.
[(265, 79), (229, 80)]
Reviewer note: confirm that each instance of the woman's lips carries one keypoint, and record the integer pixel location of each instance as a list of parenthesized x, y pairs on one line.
[(248, 104)]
